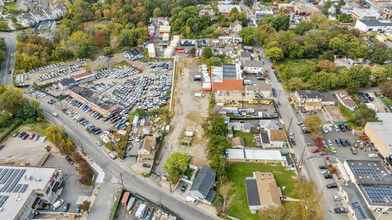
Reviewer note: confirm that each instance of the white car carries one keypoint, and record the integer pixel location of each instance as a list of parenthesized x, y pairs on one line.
[(337, 198), (57, 204), (325, 129), (323, 172), (329, 143), (329, 129), (373, 155), (98, 143)]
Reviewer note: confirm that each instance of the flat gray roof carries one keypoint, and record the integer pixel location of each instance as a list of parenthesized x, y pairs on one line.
[(357, 202), (93, 97), (384, 128), (375, 23), (252, 193)]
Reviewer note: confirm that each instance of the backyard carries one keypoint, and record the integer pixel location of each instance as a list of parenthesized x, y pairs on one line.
[(247, 136), (237, 175)]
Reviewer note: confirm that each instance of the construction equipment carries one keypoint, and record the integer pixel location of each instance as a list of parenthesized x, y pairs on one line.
[(253, 102), (265, 102)]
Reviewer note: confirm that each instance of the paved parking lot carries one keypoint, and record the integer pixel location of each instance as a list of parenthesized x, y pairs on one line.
[(72, 189)]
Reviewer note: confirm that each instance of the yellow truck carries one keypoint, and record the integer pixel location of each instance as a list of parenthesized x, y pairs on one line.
[(253, 102)]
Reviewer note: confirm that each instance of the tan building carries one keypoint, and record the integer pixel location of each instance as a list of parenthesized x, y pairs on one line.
[(261, 90), (147, 149), (262, 191), (93, 100), (307, 99), (346, 100), (272, 157), (387, 13), (364, 14), (306, 9), (380, 133)]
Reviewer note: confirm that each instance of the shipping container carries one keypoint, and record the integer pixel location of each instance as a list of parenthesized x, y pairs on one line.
[(140, 211), (125, 198), (131, 203)]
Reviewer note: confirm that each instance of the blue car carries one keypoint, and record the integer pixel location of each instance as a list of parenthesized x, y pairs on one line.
[(338, 142)]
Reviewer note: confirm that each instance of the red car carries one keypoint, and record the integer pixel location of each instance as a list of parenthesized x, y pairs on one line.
[(272, 67), (315, 151), (31, 136)]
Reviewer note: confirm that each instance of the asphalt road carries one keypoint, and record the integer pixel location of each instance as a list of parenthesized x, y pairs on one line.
[(310, 163), (8, 64), (115, 170)]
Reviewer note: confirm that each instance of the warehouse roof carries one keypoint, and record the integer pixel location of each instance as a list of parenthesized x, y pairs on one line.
[(254, 154), (93, 97)]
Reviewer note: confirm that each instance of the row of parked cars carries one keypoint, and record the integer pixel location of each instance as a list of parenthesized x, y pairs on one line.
[(102, 87), (119, 74), (51, 74), (47, 67), (340, 127), (24, 135), (133, 54), (83, 122), (59, 202)]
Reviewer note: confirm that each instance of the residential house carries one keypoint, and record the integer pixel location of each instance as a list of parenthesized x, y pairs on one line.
[(237, 126), (260, 11), (379, 134), (262, 191), (261, 90), (26, 19), (387, 13), (327, 99), (147, 149), (346, 9), (38, 15), (270, 125), (273, 139), (60, 9), (24, 5), (373, 25), (332, 10), (225, 9), (49, 14), (245, 56), (287, 7), (306, 9), (252, 66), (364, 14), (307, 99), (46, 29), (346, 100), (237, 38), (209, 12), (238, 142), (272, 157), (236, 26), (202, 187)]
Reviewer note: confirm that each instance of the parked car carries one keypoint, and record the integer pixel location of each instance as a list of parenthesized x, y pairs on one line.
[(32, 136), (341, 210), (66, 207), (43, 139), (77, 210), (353, 150), (69, 159), (337, 198), (329, 143), (333, 149), (323, 172), (183, 188), (336, 127), (323, 167), (15, 134), (315, 151), (57, 204), (328, 176), (1, 146), (293, 142), (348, 143), (146, 165), (331, 186), (36, 137), (342, 142)]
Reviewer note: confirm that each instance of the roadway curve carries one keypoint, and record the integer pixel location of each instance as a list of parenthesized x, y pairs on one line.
[(113, 170)]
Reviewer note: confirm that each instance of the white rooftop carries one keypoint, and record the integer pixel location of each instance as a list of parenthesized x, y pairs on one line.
[(254, 154), (384, 128), (36, 178), (227, 8)]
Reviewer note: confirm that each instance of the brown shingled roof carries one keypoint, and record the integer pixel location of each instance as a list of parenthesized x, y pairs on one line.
[(277, 135)]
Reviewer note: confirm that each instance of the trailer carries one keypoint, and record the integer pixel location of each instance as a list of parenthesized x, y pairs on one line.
[(140, 211), (188, 134), (199, 95), (125, 198), (131, 202)]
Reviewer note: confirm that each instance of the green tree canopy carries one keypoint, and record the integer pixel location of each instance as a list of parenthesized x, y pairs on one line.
[(314, 125), (176, 165), (275, 53), (207, 52)]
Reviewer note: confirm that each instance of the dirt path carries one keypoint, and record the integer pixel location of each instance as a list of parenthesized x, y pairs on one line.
[(189, 113)]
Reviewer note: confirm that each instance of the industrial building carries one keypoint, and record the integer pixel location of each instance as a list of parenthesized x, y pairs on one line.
[(84, 77), (227, 77), (255, 156), (93, 100), (23, 190), (151, 50), (379, 134)]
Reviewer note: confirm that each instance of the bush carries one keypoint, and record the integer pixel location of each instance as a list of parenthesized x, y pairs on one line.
[(11, 129)]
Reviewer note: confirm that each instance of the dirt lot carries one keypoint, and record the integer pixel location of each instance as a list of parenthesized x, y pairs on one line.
[(17, 151), (189, 113), (93, 65), (335, 113)]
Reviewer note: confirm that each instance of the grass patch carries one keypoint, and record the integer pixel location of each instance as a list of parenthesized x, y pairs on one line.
[(237, 174), (247, 136), (228, 60), (388, 100), (267, 3), (39, 127)]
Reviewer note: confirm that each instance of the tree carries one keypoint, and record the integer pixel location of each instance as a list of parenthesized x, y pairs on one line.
[(275, 53), (13, 19), (192, 51), (314, 125), (302, 27), (220, 164), (3, 26), (207, 52), (176, 165), (294, 83), (327, 4), (85, 207), (225, 190), (345, 18), (326, 66), (157, 12), (322, 81), (357, 77), (248, 35), (382, 55)]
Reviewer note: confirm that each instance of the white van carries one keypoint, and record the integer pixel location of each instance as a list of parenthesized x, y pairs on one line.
[(192, 200), (57, 204), (167, 128), (55, 114)]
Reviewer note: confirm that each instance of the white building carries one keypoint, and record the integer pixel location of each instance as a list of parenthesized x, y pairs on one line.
[(252, 66), (373, 25), (26, 189), (151, 50), (364, 13)]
